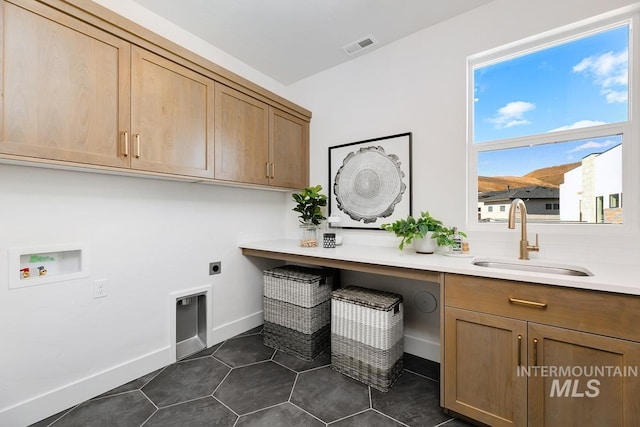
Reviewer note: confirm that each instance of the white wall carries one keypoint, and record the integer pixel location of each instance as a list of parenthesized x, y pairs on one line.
[(418, 84), (148, 238), (607, 165), (571, 195)]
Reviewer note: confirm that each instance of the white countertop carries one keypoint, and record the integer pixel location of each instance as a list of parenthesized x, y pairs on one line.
[(606, 277)]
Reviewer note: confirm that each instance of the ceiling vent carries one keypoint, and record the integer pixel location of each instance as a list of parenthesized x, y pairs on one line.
[(364, 43)]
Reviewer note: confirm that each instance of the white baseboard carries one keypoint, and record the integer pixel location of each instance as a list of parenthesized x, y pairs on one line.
[(422, 348), (236, 327), (59, 399), (54, 401)]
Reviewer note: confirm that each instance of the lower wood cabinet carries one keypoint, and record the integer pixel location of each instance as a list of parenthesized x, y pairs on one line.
[(482, 354), (514, 371)]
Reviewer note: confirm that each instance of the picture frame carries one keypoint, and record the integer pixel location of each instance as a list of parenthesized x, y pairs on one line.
[(370, 181)]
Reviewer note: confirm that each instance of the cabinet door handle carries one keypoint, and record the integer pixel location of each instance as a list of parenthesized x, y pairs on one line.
[(524, 302), (137, 145), (267, 167), (519, 350), (273, 170), (535, 352), (126, 144)]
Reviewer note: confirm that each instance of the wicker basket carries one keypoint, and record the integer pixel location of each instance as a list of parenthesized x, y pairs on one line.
[(295, 343), (305, 320), (367, 335), (305, 287), (297, 309)]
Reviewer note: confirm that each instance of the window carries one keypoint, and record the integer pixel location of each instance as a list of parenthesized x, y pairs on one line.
[(614, 200), (549, 122)]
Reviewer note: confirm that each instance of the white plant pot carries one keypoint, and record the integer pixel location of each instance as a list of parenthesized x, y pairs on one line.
[(425, 245)]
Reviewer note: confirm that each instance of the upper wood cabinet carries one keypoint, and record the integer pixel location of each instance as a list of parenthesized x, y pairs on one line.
[(80, 89), (242, 137), (65, 88), (172, 115), (259, 144), (289, 150)]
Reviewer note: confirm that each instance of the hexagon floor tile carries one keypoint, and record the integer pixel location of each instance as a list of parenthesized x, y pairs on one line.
[(270, 385), (186, 381), (329, 395), (243, 383)]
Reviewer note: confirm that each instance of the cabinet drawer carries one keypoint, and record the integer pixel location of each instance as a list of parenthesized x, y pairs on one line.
[(603, 313)]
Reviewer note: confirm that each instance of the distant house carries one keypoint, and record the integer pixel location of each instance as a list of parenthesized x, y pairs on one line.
[(592, 192), (543, 203)]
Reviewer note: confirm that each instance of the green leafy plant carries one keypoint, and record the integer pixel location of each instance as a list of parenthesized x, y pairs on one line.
[(309, 201), (444, 236), (411, 228)]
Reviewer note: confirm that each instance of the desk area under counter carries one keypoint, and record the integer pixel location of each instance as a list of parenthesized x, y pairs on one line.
[(493, 322)]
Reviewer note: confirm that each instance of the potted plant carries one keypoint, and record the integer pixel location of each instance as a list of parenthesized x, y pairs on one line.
[(309, 202), (446, 237), (419, 231)]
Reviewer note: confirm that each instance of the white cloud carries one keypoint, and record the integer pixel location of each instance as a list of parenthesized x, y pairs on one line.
[(614, 96), (592, 145), (512, 114), (579, 124), (609, 70)]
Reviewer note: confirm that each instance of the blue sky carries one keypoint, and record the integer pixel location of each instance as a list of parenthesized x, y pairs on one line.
[(576, 84)]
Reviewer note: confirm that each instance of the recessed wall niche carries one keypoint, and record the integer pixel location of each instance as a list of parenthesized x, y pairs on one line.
[(39, 265)]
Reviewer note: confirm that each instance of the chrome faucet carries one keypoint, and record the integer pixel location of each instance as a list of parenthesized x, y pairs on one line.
[(525, 247)]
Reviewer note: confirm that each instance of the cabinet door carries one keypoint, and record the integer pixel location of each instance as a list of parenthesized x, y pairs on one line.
[(599, 389), (483, 353), (242, 137), (172, 114), (65, 88), (288, 150)]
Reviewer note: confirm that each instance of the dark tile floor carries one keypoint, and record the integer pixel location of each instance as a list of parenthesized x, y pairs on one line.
[(241, 382)]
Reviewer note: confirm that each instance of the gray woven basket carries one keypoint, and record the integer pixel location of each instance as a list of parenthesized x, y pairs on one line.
[(305, 320), (303, 346), (302, 286), (367, 335)]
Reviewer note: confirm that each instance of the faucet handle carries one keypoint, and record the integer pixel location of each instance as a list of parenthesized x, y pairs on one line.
[(534, 248)]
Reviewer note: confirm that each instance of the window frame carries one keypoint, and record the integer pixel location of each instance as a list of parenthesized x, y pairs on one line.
[(628, 129)]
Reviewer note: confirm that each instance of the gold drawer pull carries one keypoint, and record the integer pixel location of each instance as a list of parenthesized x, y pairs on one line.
[(533, 304), (137, 145), (126, 143)]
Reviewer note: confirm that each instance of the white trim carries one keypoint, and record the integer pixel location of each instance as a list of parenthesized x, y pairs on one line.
[(422, 348), (207, 290), (629, 129), (53, 401), (236, 327)]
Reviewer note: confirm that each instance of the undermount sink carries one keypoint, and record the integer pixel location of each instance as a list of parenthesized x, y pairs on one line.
[(533, 266)]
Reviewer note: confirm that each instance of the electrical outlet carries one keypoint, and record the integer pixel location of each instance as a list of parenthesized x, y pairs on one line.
[(215, 268), (100, 288)]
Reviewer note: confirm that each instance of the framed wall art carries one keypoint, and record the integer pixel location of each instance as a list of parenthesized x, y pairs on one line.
[(370, 181)]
